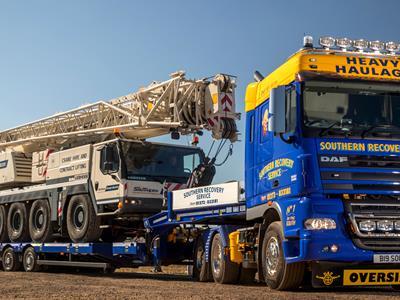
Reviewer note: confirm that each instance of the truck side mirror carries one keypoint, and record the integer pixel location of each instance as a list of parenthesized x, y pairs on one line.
[(277, 110)]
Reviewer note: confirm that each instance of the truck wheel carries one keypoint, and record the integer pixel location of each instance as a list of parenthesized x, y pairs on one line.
[(82, 223), (3, 225), (17, 223), (277, 273), (40, 222), (222, 269), (30, 260), (201, 269), (10, 261)]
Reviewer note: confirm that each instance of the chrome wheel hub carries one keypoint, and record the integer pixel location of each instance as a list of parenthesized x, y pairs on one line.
[(272, 256), (217, 260)]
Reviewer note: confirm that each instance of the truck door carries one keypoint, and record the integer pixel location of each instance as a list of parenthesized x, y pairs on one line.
[(275, 171), (106, 173), (264, 151)]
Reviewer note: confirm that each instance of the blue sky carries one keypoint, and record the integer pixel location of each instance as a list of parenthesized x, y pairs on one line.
[(57, 55)]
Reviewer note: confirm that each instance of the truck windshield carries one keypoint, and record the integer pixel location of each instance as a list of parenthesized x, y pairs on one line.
[(351, 108), (160, 162)]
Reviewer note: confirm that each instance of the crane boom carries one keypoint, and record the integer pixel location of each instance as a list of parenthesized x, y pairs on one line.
[(178, 104)]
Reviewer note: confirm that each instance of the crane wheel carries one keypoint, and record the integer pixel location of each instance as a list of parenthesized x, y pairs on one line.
[(10, 261), (82, 223), (39, 222), (222, 269), (30, 260), (17, 223), (201, 268), (3, 225), (278, 274)]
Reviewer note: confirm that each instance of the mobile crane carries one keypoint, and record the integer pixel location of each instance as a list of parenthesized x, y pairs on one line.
[(88, 170)]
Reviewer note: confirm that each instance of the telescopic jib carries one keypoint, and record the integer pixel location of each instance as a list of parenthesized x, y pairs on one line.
[(178, 104)]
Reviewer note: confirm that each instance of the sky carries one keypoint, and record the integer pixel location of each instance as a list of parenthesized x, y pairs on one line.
[(58, 55)]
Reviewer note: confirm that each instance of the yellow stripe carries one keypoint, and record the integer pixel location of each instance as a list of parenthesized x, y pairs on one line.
[(339, 64), (371, 277)]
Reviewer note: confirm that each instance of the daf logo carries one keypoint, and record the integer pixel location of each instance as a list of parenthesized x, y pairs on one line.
[(334, 159)]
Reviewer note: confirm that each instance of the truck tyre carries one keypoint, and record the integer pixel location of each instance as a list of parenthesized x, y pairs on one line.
[(3, 225), (30, 259), (10, 261), (201, 269), (40, 222), (222, 269), (247, 275), (17, 223), (82, 223), (277, 273)]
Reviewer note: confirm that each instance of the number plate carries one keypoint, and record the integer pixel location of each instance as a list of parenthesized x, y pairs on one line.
[(387, 258)]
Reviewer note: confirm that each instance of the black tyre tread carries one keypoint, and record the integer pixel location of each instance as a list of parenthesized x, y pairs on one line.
[(296, 270), (46, 236), (17, 264), (36, 267), (3, 227), (293, 274), (23, 236), (230, 270), (93, 230), (202, 274), (247, 275)]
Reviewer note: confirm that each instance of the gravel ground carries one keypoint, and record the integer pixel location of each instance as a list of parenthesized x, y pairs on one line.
[(173, 283)]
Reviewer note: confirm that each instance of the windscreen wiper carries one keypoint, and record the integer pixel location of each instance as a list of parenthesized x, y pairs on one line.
[(373, 127), (337, 123), (309, 123)]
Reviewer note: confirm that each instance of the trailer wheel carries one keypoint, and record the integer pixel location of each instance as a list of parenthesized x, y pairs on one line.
[(40, 222), (29, 260), (201, 269), (222, 269), (3, 225), (10, 261), (277, 273), (82, 223), (17, 223)]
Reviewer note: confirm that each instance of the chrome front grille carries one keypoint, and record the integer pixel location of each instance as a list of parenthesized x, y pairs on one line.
[(360, 174)]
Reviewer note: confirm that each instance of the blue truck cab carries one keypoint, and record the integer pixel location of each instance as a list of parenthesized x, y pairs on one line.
[(323, 166)]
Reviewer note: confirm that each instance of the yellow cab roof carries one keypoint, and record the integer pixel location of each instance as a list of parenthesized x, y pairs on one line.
[(356, 65)]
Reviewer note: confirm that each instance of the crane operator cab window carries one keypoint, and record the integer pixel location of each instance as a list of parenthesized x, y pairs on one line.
[(158, 162), (109, 159)]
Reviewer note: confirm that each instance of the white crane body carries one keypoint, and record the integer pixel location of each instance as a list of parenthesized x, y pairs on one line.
[(93, 166)]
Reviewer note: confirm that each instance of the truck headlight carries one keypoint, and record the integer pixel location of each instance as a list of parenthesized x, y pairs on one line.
[(397, 225), (320, 224), (385, 225), (327, 42), (367, 225)]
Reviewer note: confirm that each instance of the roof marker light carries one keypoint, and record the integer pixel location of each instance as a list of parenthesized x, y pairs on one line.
[(327, 42), (392, 47), (360, 45), (344, 43), (377, 46), (307, 41)]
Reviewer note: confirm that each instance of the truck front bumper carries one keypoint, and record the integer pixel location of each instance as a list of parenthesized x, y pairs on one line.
[(334, 274), (134, 207)]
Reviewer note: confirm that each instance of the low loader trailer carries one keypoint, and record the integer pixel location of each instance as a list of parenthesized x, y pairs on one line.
[(321, 198)]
